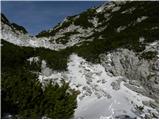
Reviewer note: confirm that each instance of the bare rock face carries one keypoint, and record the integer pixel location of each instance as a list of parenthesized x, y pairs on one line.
[(124, 62), (45, 70)]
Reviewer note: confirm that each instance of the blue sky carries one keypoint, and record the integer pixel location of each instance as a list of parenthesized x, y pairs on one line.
[(36, 16)]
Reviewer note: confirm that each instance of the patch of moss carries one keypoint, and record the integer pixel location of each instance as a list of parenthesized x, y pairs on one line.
[(149, 55)]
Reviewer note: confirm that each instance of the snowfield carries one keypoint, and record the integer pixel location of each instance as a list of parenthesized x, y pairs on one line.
[(101, 95)]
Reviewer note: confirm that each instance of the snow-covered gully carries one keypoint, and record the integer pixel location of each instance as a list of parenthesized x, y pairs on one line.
[(101, 95)]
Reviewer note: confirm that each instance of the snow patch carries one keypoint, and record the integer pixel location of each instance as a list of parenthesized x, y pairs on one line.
[(1, 44), (100, 9), (154, 46), (141, 39), (97, 98), (104, 7), (94, 21), (33, 59), (154, 28), (116, 9), (107, 15), (119, 29), (141, 19), (110, 5), (128, 10), (117, 2)]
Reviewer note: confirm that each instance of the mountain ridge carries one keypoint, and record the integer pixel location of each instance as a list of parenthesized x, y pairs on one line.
[(105, 53), (75, 34)]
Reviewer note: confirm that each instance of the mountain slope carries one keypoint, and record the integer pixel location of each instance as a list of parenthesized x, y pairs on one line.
[(103, 25), (108, 54)]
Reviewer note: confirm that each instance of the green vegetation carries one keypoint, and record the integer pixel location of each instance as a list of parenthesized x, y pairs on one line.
[(4, 19), (83, 18), (149, 55), (12, 25), (43, 34), (140, 108), (128, 38), (56, 28), (62, 40), (101, 17), (23, 95), (65, 24), (19, 28), (55, 59), (58, 103), (65, 38), (82, 21)]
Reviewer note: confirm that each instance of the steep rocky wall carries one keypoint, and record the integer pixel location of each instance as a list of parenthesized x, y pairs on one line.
[(124, 62)]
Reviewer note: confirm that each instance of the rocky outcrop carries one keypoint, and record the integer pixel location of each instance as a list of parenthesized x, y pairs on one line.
[(123, 62)]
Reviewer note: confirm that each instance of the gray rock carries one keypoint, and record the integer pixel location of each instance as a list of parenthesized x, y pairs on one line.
[(103, 81), (136, 89), (146, 103), (47, 71), (155, 115), (126, 63), (148, 116), (154, 104), (115, 85), (98, 95), (124, 117), (134, 82)]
